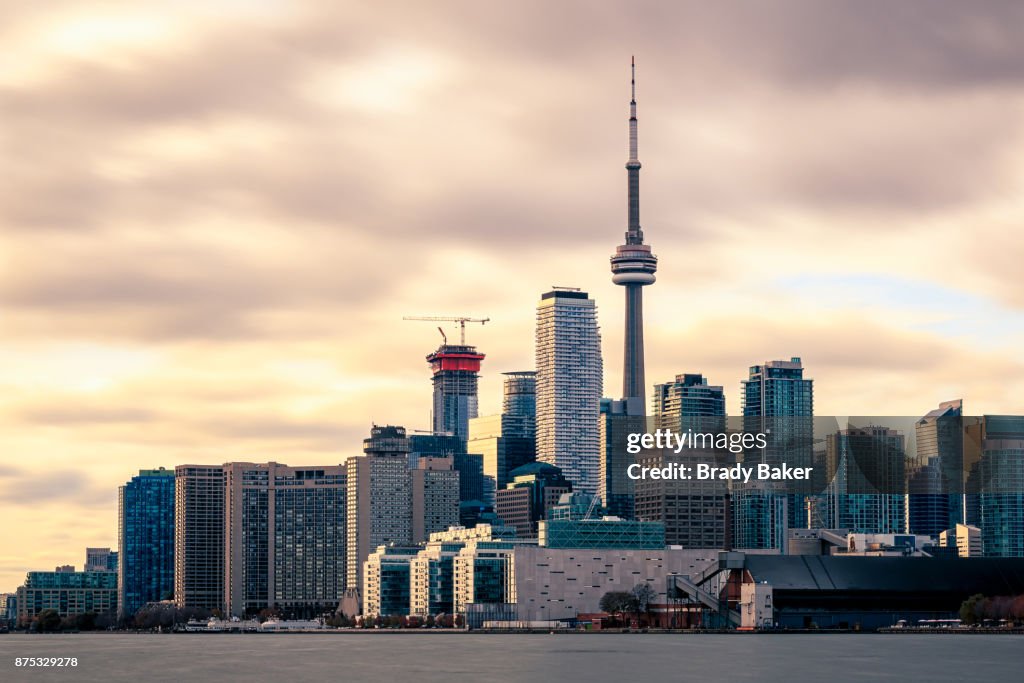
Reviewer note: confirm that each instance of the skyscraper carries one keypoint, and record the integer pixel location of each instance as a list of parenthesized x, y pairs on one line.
[(866, 469), (199, 536), (508, 440), (935, 482), (379, 498), (694, 512), (569, 384), (633, 267), (1001, 485), (456, 368), (778, 400), (145, 534), (435, 497), (285, 536)]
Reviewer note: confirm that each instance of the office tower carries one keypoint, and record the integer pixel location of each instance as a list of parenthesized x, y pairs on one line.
[(285, 536), (935, 482), (508, 440), (199, 536), (569, 381), (866, 470), (456, 368), (469, 465), (686, 403), (633, 267), (68, 593), (615, 488), (145, 536), (779, 401), (525, 500), (1001, 485), (379, 498), (435, 497)]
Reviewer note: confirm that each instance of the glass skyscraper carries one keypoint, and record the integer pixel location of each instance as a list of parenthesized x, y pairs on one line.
[(1001, 471), (935, 482), (776, 399), (146, 540), (569, 385), (866, 468)]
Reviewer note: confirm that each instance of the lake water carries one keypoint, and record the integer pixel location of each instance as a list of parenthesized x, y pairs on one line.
[(393, 657)]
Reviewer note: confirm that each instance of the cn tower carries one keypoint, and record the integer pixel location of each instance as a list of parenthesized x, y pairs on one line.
[(633, 267)]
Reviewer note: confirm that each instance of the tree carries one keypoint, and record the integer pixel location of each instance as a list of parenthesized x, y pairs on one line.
[(618, 603), (644, 596), (972, 609), (47, 621)]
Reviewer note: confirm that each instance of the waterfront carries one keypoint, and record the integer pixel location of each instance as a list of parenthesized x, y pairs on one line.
[(390, 656)]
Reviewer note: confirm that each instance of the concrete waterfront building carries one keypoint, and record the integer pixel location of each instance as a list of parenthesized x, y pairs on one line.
[(534, 489), (199, 536), (508, 440), (435, 497), (569, 385), (285, 538), (561, 583), (145, 536), (387, 580), (67, 593), (866, 471), (100, 560), (379, 498), (776, 399), (456, 368)]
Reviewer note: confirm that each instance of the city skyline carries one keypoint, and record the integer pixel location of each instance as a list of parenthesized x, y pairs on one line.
[(182, 281)]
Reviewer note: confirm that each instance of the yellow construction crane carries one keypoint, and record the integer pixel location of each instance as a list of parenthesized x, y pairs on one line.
[(460, 319)]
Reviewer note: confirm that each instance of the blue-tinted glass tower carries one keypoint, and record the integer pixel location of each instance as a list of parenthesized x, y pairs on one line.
[(146, 540), (776, 399)]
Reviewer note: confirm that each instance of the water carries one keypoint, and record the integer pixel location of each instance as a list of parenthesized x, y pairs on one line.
[(422, 657)]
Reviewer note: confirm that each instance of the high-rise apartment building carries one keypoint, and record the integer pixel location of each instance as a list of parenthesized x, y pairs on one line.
[(285, 536), (508, 440), (469, 465), (778, 400), (569, 384), (199, 536), (145, 534), (379, 498)]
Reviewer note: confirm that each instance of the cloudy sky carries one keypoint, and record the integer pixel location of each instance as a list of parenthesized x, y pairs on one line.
[(213, 216)]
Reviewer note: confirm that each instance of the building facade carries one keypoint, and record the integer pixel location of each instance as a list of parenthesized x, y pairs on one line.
[(145, 534), (285, 538), (776, 398), (866, 471), (435, 497), (456, 369), (935, 478), (199, 536), (535, 488), (569, 386), (387, 581), (508, 440)]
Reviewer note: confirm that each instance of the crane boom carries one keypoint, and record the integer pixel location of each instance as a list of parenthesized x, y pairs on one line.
[(460, 319)]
